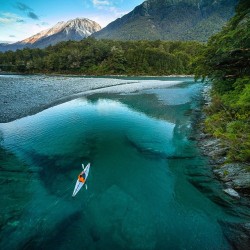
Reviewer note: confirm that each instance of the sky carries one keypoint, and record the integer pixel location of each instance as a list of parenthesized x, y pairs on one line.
[(24, 18)]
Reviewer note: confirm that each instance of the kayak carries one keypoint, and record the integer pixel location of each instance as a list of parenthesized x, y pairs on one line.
[(79, 184)]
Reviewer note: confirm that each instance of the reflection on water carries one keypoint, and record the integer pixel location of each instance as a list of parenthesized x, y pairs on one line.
[(140, 193)]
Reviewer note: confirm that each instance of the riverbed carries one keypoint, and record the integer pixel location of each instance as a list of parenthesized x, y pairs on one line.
[(148, 188)]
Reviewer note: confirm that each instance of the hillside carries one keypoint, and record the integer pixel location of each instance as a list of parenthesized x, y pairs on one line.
[(171, 20)]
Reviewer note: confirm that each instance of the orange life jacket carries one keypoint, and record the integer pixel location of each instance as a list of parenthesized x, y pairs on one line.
[(80, 178)]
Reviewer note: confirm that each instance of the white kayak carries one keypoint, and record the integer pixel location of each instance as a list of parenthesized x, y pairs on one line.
[(79, 183)]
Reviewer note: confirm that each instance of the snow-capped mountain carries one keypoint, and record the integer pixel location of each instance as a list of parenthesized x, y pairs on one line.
[(75, 29), (45, 33)]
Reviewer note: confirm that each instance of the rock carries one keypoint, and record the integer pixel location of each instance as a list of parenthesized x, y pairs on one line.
[(242, 181), (204, 136), (212, 148), (211, 143), (232, 193), (235, 174), (217, 152), (238, 234)]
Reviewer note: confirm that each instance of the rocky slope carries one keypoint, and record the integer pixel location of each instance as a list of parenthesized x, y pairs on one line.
[(171, 20), (75, 29), (235, 176)]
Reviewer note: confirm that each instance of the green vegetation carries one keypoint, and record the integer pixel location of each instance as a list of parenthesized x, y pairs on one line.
[(105, 57), (182, 20), (226, 61)]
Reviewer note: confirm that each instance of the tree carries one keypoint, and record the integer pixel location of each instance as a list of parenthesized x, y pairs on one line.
[(226, 61)]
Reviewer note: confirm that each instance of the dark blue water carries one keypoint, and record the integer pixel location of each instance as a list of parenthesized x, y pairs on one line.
[(148, 187)]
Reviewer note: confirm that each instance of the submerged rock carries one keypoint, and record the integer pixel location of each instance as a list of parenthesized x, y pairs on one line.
[(232, 192), (238, 234), (125, 217)]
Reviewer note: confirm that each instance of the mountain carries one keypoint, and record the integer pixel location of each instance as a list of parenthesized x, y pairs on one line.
[(171, 20), (75, 29), (6, 42)]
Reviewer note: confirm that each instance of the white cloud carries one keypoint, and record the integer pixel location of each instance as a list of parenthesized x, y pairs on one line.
[(8, 18), (12, 24), (117, 12), (107, 16), (101, 3), (109, 11)]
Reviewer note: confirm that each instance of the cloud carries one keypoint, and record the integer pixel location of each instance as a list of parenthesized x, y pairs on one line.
[(23, 7), (32, 15), (109, 10), (109, 6), (44, 23), (8, 18), (101, 3), (12, 36), (27, 10), (117, 13)]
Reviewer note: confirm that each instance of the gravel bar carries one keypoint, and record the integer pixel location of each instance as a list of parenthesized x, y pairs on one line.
[(21, 96)]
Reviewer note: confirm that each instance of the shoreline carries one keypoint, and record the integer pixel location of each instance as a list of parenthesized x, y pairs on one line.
[(234, 176), (93, 76)]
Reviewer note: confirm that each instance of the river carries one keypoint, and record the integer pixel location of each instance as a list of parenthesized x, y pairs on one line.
[(148, 188)]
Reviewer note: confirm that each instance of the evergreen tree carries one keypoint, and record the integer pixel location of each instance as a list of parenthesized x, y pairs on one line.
[(226, 61)]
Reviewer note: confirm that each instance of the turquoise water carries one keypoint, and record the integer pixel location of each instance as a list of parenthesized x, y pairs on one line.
[(148, 186)]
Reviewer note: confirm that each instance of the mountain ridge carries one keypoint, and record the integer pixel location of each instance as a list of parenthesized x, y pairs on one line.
[(170, 20), (75, 29)]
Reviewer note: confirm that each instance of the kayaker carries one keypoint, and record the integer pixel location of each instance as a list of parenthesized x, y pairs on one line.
[(81, 177)]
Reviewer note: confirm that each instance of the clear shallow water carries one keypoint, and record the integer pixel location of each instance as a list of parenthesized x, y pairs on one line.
[(142, 188)]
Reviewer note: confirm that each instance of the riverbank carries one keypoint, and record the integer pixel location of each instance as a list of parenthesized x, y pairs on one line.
[(23, 95), (90, 76), (235, 176)]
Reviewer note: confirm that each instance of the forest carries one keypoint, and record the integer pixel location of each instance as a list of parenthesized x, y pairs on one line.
[(105, 57), (226, 62)]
